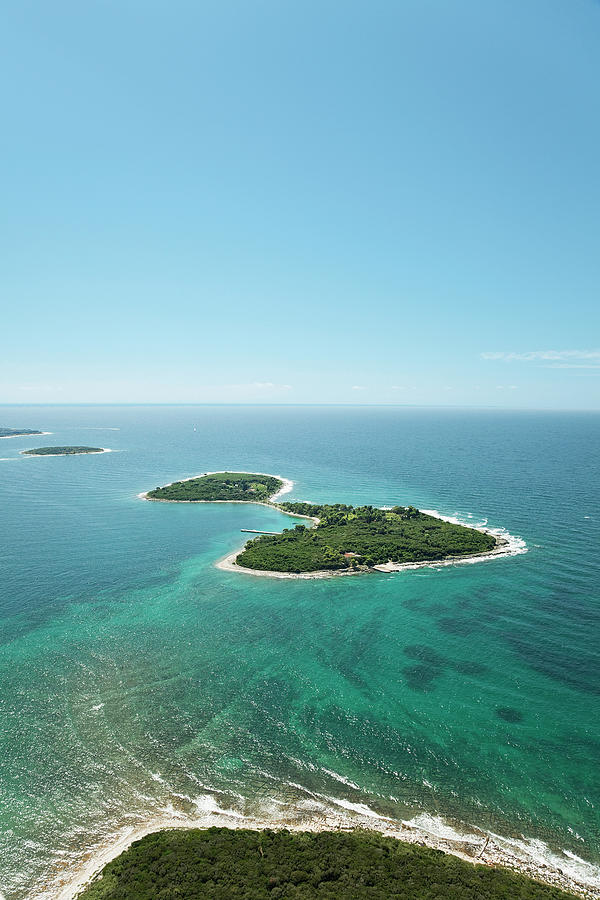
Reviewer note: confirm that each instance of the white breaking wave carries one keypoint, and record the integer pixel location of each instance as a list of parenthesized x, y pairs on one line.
[(207, 805), (516, 544), (523, 849), (361, 808), (342, 779), (436, 826), (539, 852)]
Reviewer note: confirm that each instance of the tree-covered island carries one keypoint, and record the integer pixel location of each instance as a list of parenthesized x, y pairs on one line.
[(220, 486), (348, 537), (61, 451), (17, 432), (343, 538)]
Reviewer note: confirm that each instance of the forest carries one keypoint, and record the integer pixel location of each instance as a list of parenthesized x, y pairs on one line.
[(222, 863), (220, 486), (360, 537)]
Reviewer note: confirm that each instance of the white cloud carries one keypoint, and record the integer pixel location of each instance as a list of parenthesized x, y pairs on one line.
[(358, 387), (542, 355)]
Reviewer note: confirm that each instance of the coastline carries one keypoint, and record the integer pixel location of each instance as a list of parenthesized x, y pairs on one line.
[(471, 846), (229, 564), (475, 845), (506, 544)]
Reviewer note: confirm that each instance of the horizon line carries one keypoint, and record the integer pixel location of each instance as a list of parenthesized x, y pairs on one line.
[(307, 404)]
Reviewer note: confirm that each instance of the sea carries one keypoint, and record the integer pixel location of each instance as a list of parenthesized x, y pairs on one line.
[(137, 679)]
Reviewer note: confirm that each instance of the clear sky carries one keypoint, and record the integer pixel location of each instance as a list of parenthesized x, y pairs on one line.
[(374, 201)]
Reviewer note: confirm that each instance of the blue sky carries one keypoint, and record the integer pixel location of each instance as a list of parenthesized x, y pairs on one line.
[(263, 201)]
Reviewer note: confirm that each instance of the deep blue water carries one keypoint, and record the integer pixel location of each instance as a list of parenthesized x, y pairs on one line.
[(136, 676)]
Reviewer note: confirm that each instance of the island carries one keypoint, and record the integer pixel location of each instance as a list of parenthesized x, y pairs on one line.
[(341, 539), (18, 432), (217, 862), (62, 451), (363, 537), (221, 487)]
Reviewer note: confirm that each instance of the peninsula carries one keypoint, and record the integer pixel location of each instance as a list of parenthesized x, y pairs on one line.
[(342, 540), (62, 451)]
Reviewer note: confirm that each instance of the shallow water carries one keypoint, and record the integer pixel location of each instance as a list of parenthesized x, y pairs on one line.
[(136, 676)]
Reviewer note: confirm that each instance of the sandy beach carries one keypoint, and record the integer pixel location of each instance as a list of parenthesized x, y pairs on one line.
[(228, 564), (473, 846)]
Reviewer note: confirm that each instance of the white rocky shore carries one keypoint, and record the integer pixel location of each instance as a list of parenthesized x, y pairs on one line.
[(475, 846)]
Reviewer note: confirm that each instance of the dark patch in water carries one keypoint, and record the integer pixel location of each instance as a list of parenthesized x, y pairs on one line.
[(436, 663), (458, 626), (580, 671), (421, 677), (509, 714)]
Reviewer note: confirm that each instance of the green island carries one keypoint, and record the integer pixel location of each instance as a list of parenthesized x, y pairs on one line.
[(348, 537), (17, 432), (222, 863), (343, 538), (61, 451), (220, 486)]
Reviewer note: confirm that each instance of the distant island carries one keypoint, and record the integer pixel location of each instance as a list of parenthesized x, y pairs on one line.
[(342, 540), (18, 432), (62, 451)]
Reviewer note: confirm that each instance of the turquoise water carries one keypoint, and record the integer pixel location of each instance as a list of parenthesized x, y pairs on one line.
[(135, 675)]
